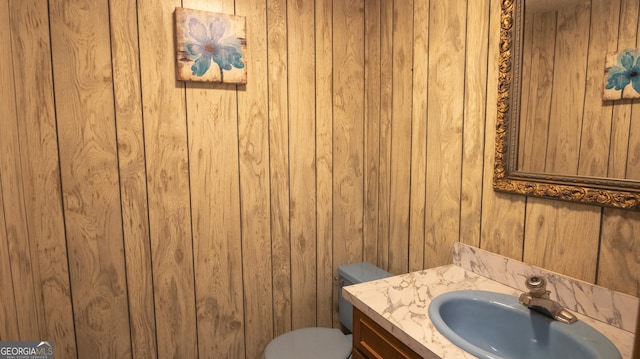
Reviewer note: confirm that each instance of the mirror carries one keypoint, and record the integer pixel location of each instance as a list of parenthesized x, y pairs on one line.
[(555, 135)]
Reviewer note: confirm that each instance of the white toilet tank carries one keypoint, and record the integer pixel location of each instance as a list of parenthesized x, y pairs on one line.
[(355, 273)]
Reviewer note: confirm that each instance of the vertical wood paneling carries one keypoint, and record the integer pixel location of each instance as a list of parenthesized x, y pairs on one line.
[(215, 207), (633, 154), (527, 90), (627, 35), (568, 98), (596, 122), (386, 102), (619, 266), (40, 164), (21, 252), (400, 136), (279, 164), (8, 314), (348, 133), (444, 131), (88, 161), (89, 178), (133, 189), (475, 108), (589, 136), (254, 183), (348, 130), (497, 208), (577, 229), (554, 229), (167, 164), (418, 133), (213, 158), (538, 56), (324, 163), (372, 77), (636, 346), (207, 184), (302, 167)]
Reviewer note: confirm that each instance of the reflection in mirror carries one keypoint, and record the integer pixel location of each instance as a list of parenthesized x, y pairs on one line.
[(556, 136), (565, 126)]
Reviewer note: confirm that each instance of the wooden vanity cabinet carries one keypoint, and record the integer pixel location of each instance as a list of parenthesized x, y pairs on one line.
[(371, 341)]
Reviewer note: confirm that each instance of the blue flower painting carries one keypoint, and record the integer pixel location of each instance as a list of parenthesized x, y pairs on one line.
[(622, 75), (211, 47)]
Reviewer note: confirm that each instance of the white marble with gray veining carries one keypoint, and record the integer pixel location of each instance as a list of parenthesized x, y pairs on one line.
[(400, 304), (603, 304)]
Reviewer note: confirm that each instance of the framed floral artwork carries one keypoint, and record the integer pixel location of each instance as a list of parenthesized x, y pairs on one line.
[(622, 75), (210, 47)]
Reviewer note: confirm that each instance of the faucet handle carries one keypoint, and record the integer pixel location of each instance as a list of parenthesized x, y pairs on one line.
[(537, 286), (566, 317)]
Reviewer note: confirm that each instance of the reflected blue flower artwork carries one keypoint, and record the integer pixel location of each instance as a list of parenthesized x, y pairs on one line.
[(211, 47), (622, 75)]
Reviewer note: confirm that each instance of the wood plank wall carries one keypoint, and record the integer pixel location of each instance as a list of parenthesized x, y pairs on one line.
[(144, 217)]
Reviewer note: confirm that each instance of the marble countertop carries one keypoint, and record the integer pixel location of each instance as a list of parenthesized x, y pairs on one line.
[(400, 305)]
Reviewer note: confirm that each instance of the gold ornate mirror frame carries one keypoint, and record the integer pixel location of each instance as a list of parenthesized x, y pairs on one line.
[(608, 192)]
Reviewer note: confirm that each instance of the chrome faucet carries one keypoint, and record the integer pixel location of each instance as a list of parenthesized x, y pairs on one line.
[(538, 299)]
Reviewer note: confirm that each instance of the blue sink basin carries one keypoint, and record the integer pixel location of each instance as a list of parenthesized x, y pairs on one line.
[(494, 325)]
